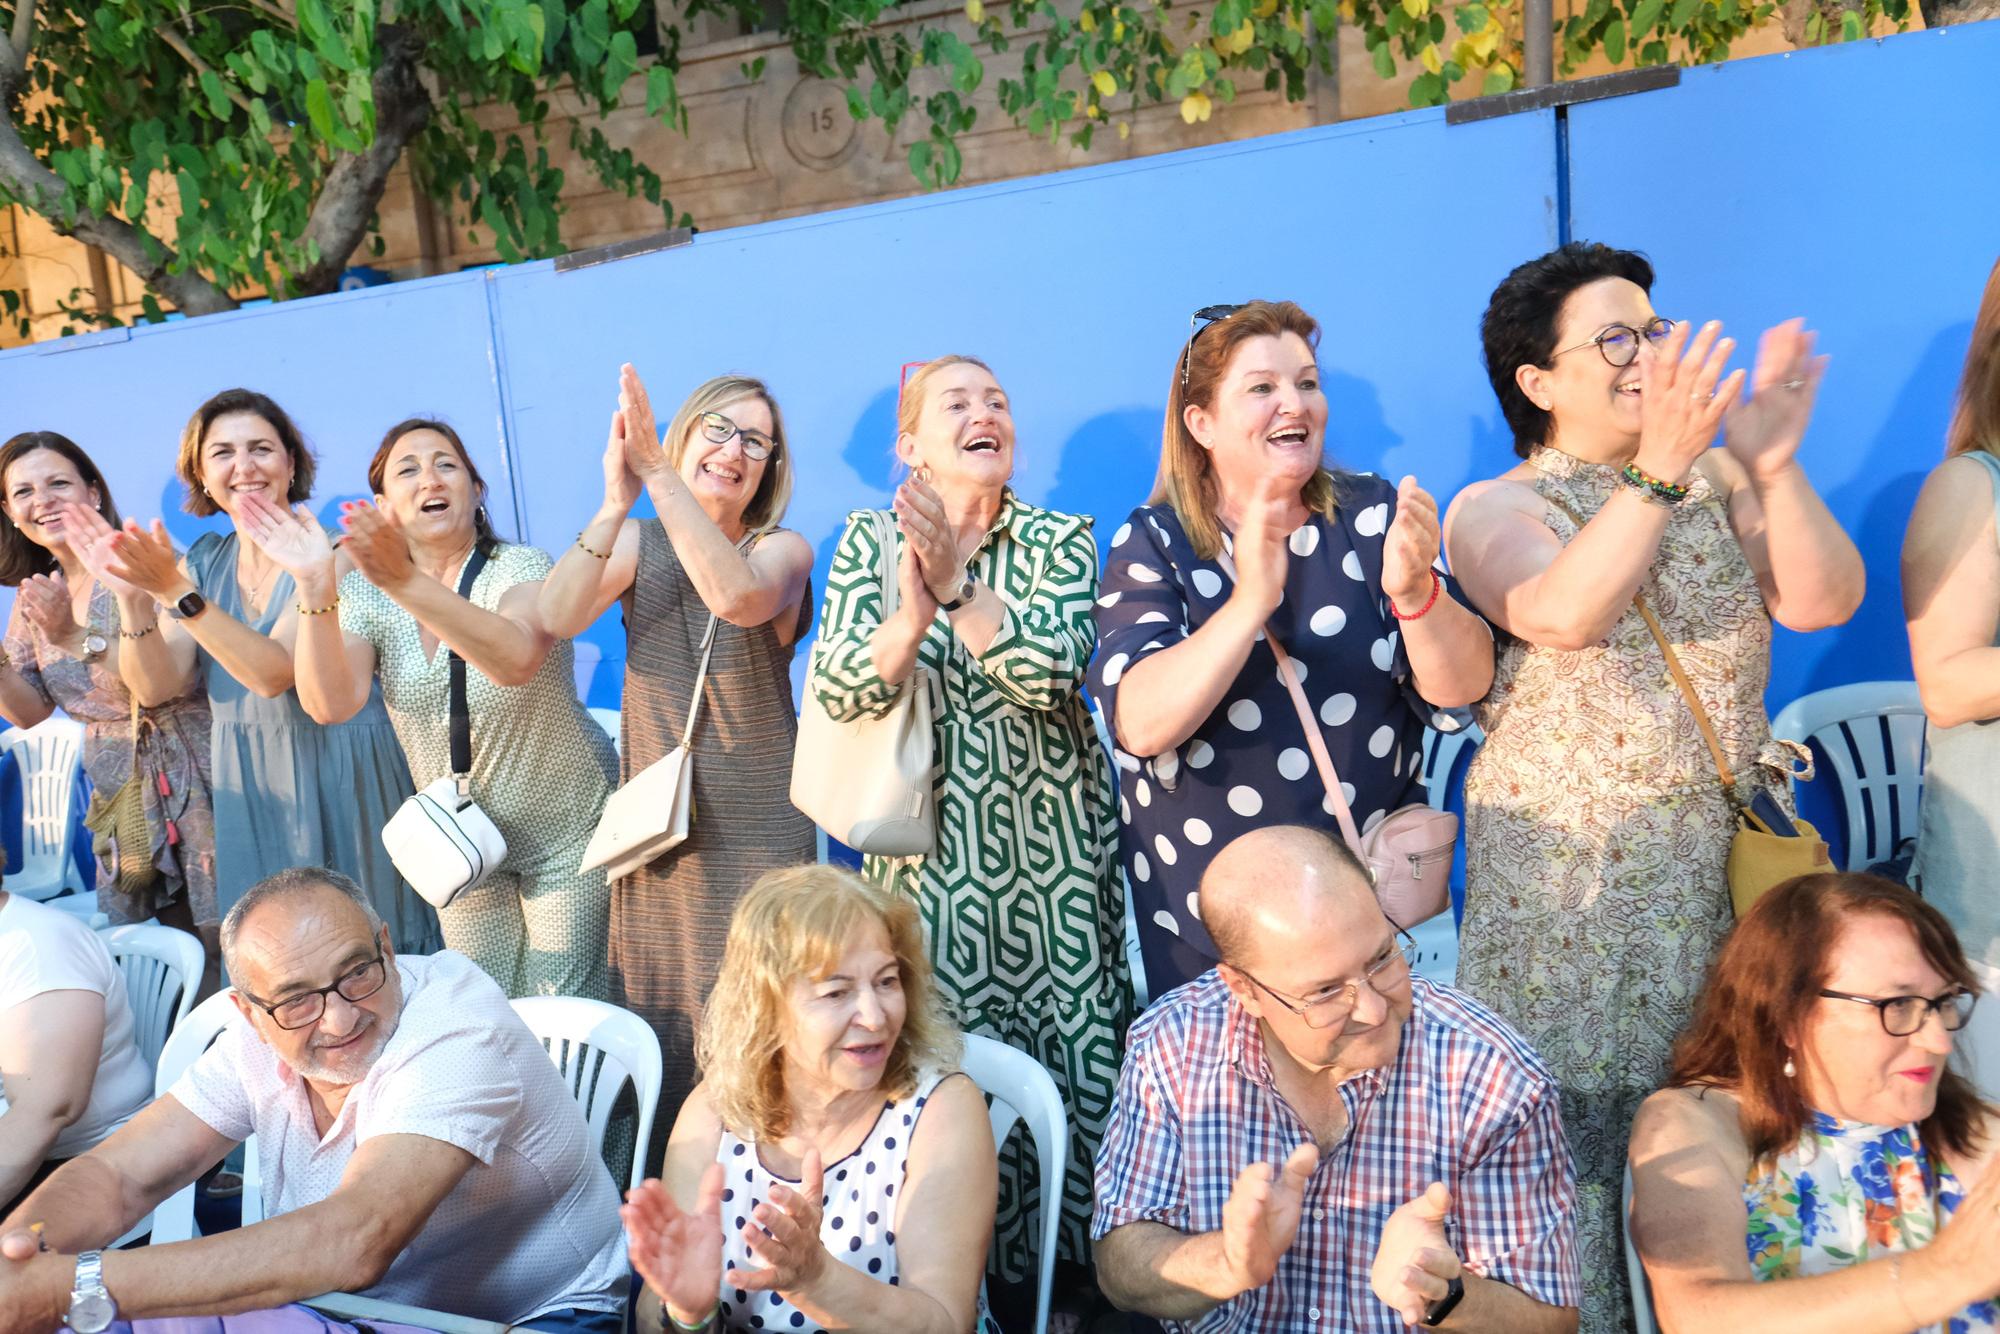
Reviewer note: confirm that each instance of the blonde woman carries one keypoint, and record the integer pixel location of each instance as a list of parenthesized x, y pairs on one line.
[(719, 486), (1951, 598), (833, 1170)]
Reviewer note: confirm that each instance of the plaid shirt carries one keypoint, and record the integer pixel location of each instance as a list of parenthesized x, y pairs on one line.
[(1467, 1102)]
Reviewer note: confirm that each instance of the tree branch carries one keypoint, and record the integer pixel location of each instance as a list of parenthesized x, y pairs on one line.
[(23, 35), (355, 183), (186, 52), (42, 191)]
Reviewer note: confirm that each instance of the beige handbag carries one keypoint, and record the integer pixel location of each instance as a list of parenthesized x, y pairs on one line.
[(867, 781), (651, 814)]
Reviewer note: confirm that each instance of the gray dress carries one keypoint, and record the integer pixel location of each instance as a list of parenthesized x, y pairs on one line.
[(289, 792), (1958, 824)]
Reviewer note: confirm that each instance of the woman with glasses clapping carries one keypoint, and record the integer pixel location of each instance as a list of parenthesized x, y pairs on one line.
[(713, 556), (1597, 824), (1249, 542), (1815, 1162)]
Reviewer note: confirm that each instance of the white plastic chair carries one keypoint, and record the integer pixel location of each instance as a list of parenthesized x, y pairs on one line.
[(162, 969), (50, 755), (1635, 1271), (598, 1047), (1872, 734), (1021, 1090), (613, 723), (1445, 756), (173, 1220)]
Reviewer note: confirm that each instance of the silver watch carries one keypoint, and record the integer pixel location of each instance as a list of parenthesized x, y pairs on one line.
[(966, 591), (91, 1309)]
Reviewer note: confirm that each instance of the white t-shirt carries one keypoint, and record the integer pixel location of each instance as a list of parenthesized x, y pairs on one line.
[(44, 950), (531, 1228)]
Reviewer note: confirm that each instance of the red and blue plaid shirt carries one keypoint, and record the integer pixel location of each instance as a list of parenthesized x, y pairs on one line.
[(1467, 1102)]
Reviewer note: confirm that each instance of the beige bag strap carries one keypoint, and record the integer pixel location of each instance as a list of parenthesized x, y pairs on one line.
[(707, 648), (1701, 719)]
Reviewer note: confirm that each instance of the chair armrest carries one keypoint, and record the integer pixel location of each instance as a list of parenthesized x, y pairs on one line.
[(349, 1306)]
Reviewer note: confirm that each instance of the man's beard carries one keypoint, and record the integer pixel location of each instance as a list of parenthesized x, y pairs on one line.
[(353, 1064)]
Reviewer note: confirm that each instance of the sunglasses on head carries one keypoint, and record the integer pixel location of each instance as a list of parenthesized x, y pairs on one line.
[(1198, 322)]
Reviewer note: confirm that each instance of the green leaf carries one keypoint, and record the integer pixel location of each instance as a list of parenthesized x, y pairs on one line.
[(661, 92), (1851, 29), (218, 96), (1384, 59), (1682, 14), (1645, 16), (1499, 79), (1614, 41), (319, 108)]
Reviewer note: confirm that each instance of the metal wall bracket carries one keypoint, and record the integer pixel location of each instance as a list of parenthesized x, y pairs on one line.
[(638, 245), (1620, 84)]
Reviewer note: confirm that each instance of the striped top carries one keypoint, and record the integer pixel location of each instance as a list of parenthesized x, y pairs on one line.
[(1466, 1102)]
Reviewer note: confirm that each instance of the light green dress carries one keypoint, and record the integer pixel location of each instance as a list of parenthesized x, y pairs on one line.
[(1022, 898), (541, 769)]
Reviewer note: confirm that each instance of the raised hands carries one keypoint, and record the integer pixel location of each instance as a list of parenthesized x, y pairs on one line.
[(377, 544), (621, 484), (45, 602), (1683, 398), (783, 1234), (1414, 1263), (1261, 1219), (677, 1252), (90, 536), (1764, 433), (1261, 549), (1410, 547), (927, 530), (643, 454), (292, 538)]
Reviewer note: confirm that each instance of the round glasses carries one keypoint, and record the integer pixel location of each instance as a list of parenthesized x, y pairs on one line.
[(717, 429), (1331, 1007), (1619, 343), (305, 1009), (1904, 1015)]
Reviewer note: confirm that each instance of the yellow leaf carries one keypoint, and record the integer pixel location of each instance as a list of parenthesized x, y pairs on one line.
[(1118, 31), (975, 11), (1240, 41), (1104, 83), (1483, 44), (1196, 106), (1124, 129), (1265, 8), (1430, 58), (1416, 9), (1087, 21)]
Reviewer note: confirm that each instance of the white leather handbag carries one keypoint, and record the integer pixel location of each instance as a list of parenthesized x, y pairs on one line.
[(439, 839), (867, 781), (650, 815)]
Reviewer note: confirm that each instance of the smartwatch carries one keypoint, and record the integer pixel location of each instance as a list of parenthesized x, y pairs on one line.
[(966, 591), (1445, 1305), (91, 1309), (190, 606)]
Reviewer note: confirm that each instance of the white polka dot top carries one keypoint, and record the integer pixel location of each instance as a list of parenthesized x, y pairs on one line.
[(858, 1222)]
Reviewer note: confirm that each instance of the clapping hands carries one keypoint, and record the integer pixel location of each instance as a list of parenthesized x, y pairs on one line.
[(1764, 434), (677, 1251), (1411, 547), (1414, 1262), (1261, 1220)]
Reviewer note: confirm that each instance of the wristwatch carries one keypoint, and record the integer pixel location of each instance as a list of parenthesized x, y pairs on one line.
[(1445, 1305), (190, 606), (966, 591), (91, 1309), (94, 645)]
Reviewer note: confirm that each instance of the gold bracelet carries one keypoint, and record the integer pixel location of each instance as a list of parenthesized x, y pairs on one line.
[(138, 634), (304, 610), (591, 550)]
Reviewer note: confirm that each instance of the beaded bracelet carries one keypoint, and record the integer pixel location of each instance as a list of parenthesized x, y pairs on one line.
[(1437, 586), (1643, 481), (591, 550), (138, 634), (304, 610)]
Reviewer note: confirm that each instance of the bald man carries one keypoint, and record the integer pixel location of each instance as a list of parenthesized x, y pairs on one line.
[(1308, 1137), (418, 1146)]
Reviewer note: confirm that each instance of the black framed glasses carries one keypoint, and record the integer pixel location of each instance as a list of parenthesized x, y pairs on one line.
[(304, 1010), (1331, 1007), (1904, 1015), (1619, 343), (716, 429), (1197, 322)]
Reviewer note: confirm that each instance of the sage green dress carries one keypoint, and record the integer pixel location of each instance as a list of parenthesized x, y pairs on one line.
[(1022, 898)]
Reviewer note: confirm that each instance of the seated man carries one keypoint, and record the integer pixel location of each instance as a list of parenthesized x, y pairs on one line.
[(70, 1073), (1308, 1137), (417, 1146)]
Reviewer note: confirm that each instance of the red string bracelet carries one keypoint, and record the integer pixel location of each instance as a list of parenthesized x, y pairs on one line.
[(1437, 586)]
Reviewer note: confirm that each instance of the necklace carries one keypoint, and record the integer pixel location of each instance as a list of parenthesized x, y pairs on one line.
[(253, 589)]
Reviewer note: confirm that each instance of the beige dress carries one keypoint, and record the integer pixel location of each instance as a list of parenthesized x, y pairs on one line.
[(1597, 833)]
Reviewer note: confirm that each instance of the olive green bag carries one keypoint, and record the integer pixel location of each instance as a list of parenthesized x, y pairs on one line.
[(121, 835)]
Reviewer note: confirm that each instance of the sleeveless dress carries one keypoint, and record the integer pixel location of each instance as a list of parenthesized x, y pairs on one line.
[(670, 919), (1597, 835), (1847, 1193), (289, 792), (857, 1227), (1958, 840)]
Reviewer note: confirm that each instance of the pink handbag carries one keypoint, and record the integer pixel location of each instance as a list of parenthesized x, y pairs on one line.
[(1409, 853)]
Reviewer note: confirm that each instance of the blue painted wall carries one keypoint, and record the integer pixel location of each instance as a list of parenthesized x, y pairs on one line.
[(1762, 188)]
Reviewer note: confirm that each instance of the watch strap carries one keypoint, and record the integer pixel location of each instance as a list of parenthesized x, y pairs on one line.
[(1445, 1305), (966, 590)]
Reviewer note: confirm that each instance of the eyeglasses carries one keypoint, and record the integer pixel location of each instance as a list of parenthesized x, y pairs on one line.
[(1330, 1008), (1620, 342), (1197, 322), (305, 1009), (1904, 1015), (717, 429)]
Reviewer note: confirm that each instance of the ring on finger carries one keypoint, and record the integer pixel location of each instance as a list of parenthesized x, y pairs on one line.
[(1698, 396), (1793, 384)]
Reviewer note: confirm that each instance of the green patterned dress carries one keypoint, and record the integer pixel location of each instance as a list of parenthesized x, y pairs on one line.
[(1022, 898)]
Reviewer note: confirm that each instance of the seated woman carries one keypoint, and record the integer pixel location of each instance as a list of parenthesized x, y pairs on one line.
[(829, 1076), (1814, 1163)]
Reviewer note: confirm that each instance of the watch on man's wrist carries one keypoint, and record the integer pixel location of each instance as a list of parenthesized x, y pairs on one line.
[(91, 1309), (1454, 1294), (188, 606), (966, 590)]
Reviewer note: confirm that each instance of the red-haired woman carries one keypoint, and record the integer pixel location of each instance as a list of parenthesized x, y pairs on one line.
[(1815, 1163), (1951, 598)]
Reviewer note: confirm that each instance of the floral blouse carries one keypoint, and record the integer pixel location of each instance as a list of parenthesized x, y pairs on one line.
[(1846, 1193)]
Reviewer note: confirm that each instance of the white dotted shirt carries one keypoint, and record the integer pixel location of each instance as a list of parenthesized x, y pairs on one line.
[(532, 1228)]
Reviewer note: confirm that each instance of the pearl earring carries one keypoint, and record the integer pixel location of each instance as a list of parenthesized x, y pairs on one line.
[(1791, 1071)]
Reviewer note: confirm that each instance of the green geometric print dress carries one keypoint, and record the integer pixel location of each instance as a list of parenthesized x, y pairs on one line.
[(1022, 899)]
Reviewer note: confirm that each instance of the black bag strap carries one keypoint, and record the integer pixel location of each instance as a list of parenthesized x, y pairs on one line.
[(461, 714)]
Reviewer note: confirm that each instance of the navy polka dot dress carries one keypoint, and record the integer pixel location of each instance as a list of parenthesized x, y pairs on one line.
[(857, 1219), (1247, 765)]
